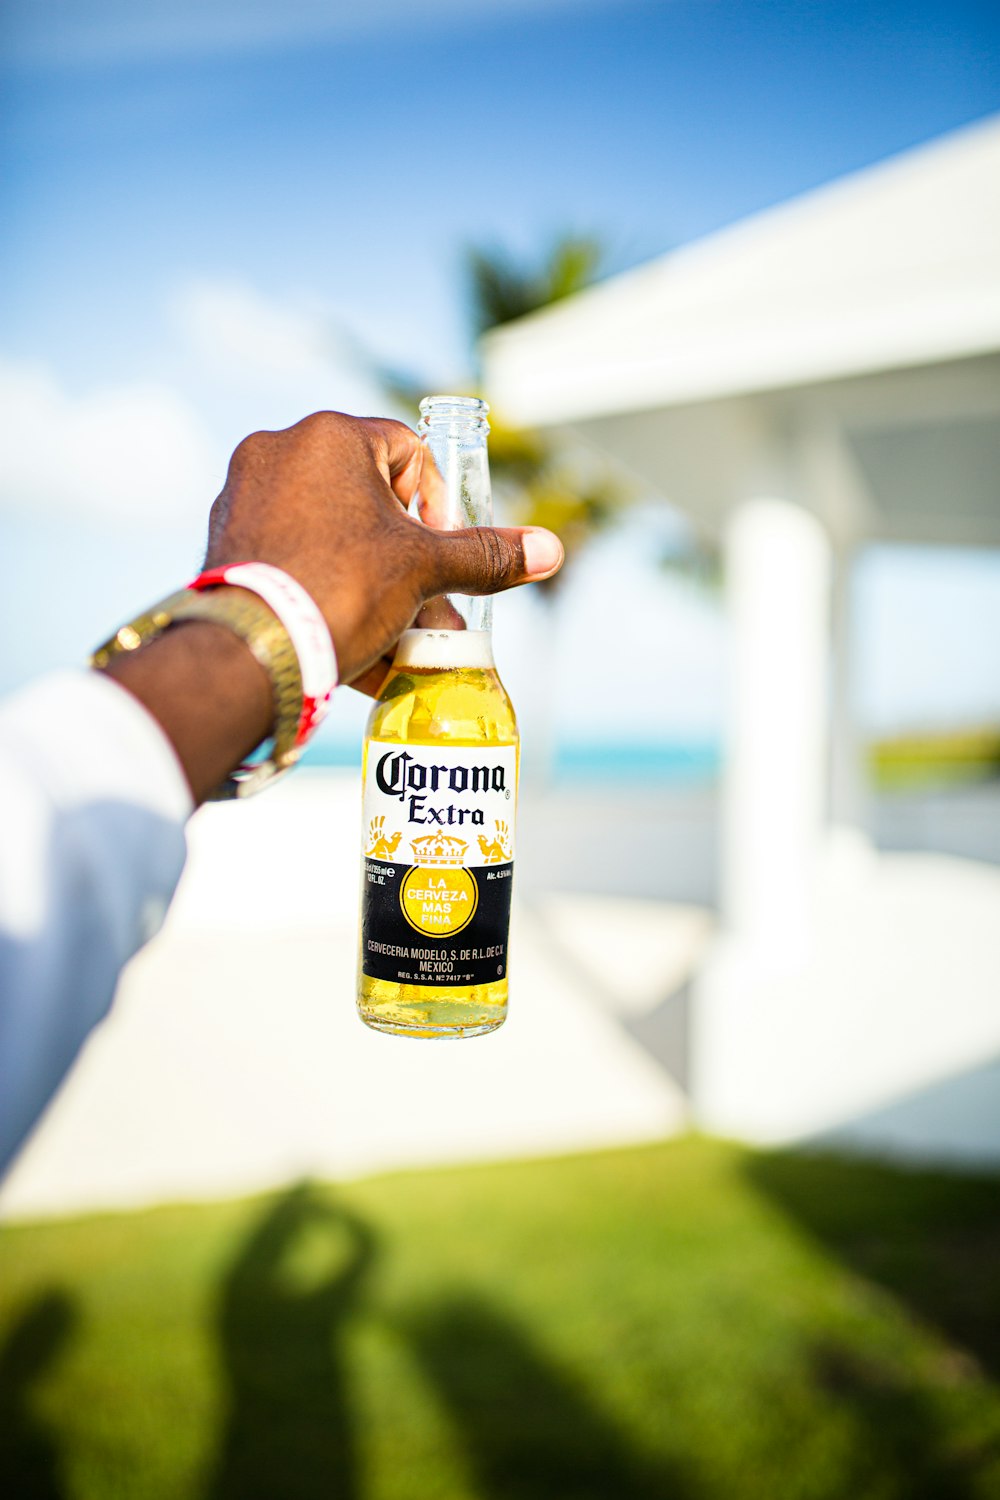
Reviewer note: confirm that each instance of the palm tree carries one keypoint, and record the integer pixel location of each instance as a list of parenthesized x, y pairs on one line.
[(501, 289), (541, 480)]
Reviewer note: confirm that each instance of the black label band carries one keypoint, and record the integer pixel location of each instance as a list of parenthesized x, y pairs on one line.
[(403, 904)]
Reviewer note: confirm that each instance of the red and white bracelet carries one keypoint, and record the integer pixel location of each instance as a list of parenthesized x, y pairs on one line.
[(309, 635), (306, 627)]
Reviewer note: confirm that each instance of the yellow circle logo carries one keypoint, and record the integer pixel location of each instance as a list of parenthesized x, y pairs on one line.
[(438, 901)]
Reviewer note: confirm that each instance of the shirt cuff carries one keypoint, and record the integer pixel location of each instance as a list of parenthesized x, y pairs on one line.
[(119, 751)]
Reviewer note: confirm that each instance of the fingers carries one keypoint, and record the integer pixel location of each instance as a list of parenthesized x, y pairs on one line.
[(432, 498), (370, 682), (487, 559), (399, 454), (439, 614)]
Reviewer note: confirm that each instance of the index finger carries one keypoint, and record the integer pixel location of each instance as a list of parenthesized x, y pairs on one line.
[(398, 456), (431, 504)]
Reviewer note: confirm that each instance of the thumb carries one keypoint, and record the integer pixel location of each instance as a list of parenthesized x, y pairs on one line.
[(487, 559)]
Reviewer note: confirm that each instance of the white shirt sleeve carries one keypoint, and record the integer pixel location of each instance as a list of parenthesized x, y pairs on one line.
[(93, 803)]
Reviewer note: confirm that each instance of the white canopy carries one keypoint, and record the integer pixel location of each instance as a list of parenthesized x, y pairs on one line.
[(822, 374), (867, 311)]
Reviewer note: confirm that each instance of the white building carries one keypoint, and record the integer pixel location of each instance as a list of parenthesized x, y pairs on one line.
[(819, 376)]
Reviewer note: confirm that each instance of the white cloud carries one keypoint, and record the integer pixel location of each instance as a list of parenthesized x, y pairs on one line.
[(156, 452), (231, 324), (277, 362), (136, 452)]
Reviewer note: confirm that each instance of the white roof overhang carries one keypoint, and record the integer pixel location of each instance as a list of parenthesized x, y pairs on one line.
[(868, 310)]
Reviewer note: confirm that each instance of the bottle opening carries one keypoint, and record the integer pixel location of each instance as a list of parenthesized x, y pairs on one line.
[(464, 412)]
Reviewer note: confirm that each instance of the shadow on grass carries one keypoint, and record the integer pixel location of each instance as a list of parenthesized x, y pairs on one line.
[(283, 1308), (931, 1239), (932, 1242), (33, 1345), (529, 1431), (901, 1445)]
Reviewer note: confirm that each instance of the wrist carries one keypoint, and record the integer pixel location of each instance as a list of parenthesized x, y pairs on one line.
[(285, 633), (302, 628), (208, 693)]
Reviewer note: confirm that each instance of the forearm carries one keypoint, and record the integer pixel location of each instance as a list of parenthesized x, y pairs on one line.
[(93, 804), (208, 693), (93, 808)]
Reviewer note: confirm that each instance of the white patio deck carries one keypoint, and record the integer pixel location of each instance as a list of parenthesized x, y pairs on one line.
[(234, 1058)]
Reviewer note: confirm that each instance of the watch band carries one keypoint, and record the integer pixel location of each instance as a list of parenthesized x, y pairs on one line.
[(255, 623)]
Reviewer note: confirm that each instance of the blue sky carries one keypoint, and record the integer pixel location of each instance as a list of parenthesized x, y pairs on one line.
[(213, 212), (353, 166)]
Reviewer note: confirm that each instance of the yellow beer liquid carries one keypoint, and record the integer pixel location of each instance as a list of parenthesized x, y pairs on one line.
[(422, 704)]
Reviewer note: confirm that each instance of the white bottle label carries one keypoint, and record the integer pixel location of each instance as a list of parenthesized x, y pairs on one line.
[(438, 862)]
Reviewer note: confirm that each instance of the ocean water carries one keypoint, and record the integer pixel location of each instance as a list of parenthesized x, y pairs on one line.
[(676, 763)]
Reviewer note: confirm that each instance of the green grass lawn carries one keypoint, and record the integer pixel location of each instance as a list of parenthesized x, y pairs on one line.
[(688, 1321), (937, 760)]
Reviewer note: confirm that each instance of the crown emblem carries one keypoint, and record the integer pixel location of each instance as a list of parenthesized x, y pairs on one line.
[(438, 849)]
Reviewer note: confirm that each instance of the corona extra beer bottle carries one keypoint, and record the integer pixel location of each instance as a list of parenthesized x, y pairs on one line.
[(440, 784)]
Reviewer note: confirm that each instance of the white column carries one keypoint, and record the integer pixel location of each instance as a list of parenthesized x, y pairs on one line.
[(848, 780), (778, 589)]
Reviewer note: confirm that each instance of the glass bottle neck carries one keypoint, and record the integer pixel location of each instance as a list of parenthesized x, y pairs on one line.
[(455, 492)]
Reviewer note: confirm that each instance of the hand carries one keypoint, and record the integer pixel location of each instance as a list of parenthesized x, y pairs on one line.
[(326, 500)]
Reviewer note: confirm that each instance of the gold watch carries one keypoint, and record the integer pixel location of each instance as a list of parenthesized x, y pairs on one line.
[(247, 615)]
